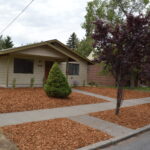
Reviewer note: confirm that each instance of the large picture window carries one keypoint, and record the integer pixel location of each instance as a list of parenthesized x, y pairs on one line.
[(23, 65), (73, 69)]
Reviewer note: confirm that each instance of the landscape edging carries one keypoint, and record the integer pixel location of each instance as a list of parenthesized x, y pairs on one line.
[(115, 140)]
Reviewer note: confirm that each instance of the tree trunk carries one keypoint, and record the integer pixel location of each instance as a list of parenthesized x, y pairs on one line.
[(119, 93), (119, 99)]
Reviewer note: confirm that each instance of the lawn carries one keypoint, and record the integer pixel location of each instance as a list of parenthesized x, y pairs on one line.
[(57, 134), (132, 117), (25, 99), (111, 92)]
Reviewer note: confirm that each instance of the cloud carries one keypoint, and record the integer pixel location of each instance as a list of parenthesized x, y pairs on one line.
[(43, 20)]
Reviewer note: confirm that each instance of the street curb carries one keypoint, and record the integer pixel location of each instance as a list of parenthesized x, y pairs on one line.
[(114, 140)]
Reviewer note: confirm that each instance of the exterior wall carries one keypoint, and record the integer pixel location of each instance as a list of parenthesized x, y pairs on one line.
[(42, 51), (95, 76), (76, 80), (3, 70), (23, 80)]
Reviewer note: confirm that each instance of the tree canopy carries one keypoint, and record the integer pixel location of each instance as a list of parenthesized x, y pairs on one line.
[(5, 42), (73, 41), (112, 11), (124, 47)]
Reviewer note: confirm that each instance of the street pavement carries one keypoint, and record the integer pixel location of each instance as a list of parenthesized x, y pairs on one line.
[(139, 142)]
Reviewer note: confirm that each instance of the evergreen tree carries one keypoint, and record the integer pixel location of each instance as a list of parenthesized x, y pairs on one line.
[(73, 41), (6, 42), (57, 84)]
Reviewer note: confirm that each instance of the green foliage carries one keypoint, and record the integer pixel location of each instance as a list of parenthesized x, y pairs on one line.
[(57, 84), (92, 83), (73, 41), (85, 47), (5, 42), (105, 69), (112, 11), (32, 82), (83, 82), (14, 83)]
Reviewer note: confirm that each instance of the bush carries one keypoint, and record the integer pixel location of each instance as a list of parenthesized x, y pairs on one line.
[(14, 83), (32, 82), (57, 84)]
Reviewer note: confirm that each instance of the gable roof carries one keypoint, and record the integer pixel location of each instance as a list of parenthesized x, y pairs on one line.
[(51, 44)]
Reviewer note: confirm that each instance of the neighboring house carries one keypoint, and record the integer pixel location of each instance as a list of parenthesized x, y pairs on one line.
[(23, 63), (95, 75)]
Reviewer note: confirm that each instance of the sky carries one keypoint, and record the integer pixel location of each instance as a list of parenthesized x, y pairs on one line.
[(43, 20)]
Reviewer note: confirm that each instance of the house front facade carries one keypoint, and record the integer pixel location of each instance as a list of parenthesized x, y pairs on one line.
[(22, 65)]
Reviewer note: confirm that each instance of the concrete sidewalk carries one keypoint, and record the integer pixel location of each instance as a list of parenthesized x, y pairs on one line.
[(78, 114), (46, 114), (105, 126)]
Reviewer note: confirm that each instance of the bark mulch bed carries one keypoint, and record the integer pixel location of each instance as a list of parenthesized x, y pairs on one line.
[(132, 117), (57, 134), (24, 99), (111, 92)]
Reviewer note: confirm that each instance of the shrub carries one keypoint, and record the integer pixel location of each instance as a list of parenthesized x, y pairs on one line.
[(14, 83), (57, 84), (32, 82)]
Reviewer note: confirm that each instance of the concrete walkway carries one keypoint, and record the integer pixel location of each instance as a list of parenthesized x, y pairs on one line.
[(108, 127), (95, 95), (76, 113), (46, 114)]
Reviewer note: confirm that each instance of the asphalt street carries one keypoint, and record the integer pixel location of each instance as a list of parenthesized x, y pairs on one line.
[(139, 142)]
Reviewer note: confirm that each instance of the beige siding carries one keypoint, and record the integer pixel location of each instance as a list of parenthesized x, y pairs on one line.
[(3, 66), (42, 51), (23, 80), (77, 79)]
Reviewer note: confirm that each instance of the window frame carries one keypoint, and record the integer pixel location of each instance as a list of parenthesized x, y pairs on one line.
[(73, 72), (27, 62)]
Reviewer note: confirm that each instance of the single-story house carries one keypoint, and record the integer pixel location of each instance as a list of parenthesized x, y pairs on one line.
[(23, 64)]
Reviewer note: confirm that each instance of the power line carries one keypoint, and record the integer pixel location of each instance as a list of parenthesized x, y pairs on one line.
[(13, 20)]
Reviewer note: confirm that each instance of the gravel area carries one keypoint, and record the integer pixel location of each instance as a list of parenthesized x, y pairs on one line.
[(24, 99), (111, 92), (57, 134), (132, 117)]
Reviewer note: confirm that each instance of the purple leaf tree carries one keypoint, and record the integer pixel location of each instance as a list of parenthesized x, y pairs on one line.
[(124, 48)]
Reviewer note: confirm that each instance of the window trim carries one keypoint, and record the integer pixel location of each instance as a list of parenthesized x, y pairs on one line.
[(72, 72), (27, 59)]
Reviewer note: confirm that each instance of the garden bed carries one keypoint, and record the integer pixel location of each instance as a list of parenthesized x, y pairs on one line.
[(57, 134), (111, 92), (132, 117), (24, 99)]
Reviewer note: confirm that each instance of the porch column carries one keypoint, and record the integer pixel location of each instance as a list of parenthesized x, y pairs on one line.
[(7, 70)]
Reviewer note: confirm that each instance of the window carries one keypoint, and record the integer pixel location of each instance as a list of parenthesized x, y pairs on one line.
[(23, 65), (73, 69)]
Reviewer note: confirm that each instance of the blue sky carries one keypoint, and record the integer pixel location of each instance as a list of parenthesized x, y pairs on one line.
[(43, 20)]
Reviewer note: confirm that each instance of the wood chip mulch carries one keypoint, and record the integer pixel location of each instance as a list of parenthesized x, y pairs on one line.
[(111, 92), (57, 134), (132, 117), (25, 99)]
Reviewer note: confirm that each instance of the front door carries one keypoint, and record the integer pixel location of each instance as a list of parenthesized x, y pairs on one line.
[(48, 66)]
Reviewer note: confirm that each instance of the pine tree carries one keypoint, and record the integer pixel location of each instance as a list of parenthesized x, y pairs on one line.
[(73, 41), (6, 42)]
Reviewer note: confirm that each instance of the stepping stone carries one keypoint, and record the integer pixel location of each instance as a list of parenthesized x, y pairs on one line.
[(6, 144)]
